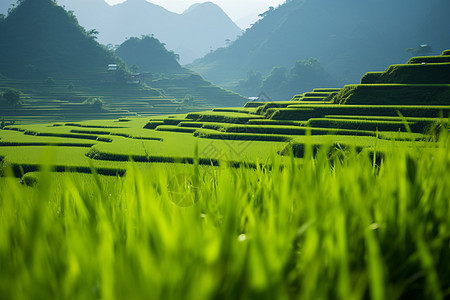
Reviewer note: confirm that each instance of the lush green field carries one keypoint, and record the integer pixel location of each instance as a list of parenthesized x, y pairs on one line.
[(232, 136), (337, 194), (325, 227)]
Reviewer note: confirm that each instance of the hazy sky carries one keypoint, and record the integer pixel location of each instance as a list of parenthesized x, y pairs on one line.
[(243, 12)]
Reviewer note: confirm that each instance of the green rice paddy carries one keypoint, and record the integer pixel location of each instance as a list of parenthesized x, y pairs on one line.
[(313, 229), (336, 194), (42, 103)]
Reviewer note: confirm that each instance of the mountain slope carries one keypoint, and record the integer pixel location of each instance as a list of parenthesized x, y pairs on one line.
[(148, 55), (41, 39), (192, 34), (348, 37)]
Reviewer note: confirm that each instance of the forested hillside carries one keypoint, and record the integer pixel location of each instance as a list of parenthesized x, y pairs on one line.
[(148, 54), (348, 38), (40, 39)]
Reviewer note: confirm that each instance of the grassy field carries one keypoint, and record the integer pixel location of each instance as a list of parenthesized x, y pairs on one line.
[(318, 228), (336, 194)]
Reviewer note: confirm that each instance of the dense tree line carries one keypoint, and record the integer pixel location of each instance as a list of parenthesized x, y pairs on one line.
[(10, 97), (282, 84)]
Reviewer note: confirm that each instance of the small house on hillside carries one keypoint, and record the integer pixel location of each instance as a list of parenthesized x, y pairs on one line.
[(263, 97), (112, 67)]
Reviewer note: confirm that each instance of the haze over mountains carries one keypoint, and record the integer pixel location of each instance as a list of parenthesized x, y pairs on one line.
[(192, 34), (348, 37)]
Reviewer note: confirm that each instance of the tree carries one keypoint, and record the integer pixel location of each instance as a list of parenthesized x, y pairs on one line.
[(307, 72), (264, 14), (112, 47), (174, 55), (307, 75), (93, 33), (188, 100), (95, 102), (11, 9), (11, 96)]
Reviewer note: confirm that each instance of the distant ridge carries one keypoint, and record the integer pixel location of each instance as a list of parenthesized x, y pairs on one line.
[(192, 34), (193, 7), (204, 5)]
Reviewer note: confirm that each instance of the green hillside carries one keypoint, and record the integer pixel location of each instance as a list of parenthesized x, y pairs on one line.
[(423, 80), (40, 39), (148, 58), (148, 54), (348, 38)]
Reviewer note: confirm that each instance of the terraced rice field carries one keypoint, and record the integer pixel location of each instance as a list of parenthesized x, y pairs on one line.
[(335, 194), (46, 103), (239, 135)]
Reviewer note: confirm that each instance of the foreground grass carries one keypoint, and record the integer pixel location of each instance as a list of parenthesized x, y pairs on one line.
[(319, 229)]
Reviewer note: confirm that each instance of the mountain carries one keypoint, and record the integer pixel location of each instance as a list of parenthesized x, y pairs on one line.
[(40, 39), (160, 69), (148, 55), (347, 37), (192, 34)]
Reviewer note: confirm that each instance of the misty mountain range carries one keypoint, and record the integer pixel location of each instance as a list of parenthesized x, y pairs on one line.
[(192, 34), (347, 38)]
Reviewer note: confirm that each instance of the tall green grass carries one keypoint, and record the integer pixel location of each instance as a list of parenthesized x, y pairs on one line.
[(325, 227)]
